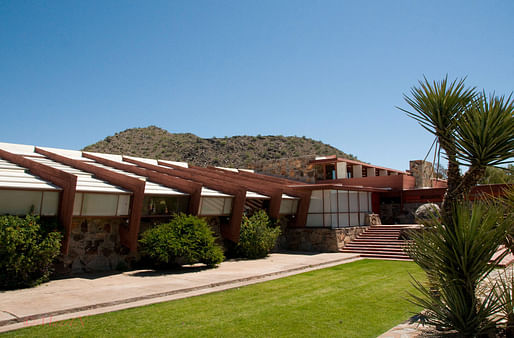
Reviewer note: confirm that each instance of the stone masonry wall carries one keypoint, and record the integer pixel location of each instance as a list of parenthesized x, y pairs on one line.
[(297, 168), (422, 172), (94, 246), (321, 239)]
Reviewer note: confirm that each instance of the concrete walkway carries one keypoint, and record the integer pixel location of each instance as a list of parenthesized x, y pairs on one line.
[(92, 294)]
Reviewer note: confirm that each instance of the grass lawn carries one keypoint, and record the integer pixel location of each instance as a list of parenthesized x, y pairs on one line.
[(360, 299)]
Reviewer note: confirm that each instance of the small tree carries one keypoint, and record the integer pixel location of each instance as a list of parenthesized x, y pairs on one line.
[(257, 236), (186, 239), (27, 251)]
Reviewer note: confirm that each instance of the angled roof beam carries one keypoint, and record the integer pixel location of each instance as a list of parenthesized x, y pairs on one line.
[(274, 192), (64, 180), (194, 189), (230, 232), (287, 185), (135, 185)]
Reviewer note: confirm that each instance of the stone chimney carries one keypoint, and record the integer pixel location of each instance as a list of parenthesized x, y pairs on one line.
[(422, 172)]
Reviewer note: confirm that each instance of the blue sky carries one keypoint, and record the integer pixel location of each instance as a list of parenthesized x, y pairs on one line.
[(74, 72)]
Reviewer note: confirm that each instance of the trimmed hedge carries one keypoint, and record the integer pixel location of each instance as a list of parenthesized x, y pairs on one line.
[(185, 240), (27, 251), (257, 236)]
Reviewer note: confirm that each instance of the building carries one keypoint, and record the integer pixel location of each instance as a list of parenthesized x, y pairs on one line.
[(105, 201)]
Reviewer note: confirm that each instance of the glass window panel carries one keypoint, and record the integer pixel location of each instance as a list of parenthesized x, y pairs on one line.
[(77, 205), (363, 218), (294, 207), (314, 220), (20, 202), (212, 206), (99, 204), (335, 221), (227, 208), (354, 219), (316, 204), (370, 208), (123, 205), (328, 220), (343, 201), (363, 200), (50, 203), (343, 220), (286, 207), (164, 205), (327, 201), (354, 201)]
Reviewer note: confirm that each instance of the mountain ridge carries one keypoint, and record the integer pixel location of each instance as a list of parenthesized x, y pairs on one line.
[(235, 151)]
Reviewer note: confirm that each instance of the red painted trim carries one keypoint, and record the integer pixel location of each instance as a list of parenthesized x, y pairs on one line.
[(192, 188), (231, 231), (136, 186), (66, 181)]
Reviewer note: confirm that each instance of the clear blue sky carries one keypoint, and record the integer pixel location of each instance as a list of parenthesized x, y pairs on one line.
[(74, 72)]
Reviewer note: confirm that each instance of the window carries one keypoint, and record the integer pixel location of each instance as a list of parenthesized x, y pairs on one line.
[(338, 208), (164, 205), (23, 202)]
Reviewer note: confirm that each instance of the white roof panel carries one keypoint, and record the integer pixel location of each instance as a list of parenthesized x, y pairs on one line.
[(16, 177), (206, 192), (85, 181), (74, 154), (20, 149), (289, 197), (254, 195), (142, 159), (178, 164)]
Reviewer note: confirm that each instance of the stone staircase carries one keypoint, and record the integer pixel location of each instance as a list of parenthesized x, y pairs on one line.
[(379, 241)]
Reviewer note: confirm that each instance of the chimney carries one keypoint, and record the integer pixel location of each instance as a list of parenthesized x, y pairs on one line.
[(423, 172)]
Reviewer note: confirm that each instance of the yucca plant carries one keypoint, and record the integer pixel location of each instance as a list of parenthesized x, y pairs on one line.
[(473, 129), (457, 259), (504, 293)]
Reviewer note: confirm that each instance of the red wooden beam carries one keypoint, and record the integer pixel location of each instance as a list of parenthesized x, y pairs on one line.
[(230, 232), (274, 192), (194, 189), (66, 181), (136, 186)]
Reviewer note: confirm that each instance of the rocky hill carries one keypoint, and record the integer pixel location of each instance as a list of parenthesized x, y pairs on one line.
[(235, 151)]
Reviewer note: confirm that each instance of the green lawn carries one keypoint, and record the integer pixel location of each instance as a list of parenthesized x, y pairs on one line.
[(359, 299)]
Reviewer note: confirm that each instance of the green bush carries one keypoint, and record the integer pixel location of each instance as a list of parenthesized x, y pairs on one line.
[(184, 240), (257, 236), (27, 251)]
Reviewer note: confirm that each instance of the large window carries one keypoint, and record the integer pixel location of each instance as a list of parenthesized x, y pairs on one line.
[(338, 208), (94, 204), (23, 202), (215, 206), (164, 205)]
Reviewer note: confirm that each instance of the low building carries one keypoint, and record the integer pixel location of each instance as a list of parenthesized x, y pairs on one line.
[(105, 201)]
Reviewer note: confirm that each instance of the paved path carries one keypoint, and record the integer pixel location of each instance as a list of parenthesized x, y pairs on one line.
[(92, 294)]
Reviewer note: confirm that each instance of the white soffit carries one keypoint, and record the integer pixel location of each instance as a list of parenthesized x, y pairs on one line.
[(206, 192), (73, 154), (178, 164), (289, 197), (254, 195)]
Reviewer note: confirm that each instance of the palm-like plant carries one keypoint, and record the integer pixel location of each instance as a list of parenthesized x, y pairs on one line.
[(457, 258), (473, 130)]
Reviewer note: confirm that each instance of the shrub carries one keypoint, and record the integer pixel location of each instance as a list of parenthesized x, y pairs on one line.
[(27, 251), (184, 240), (257, 236)]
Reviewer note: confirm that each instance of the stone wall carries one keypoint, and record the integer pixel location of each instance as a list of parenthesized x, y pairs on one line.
[(297, 168), (422, 172), (94, 246), (320, 239)]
